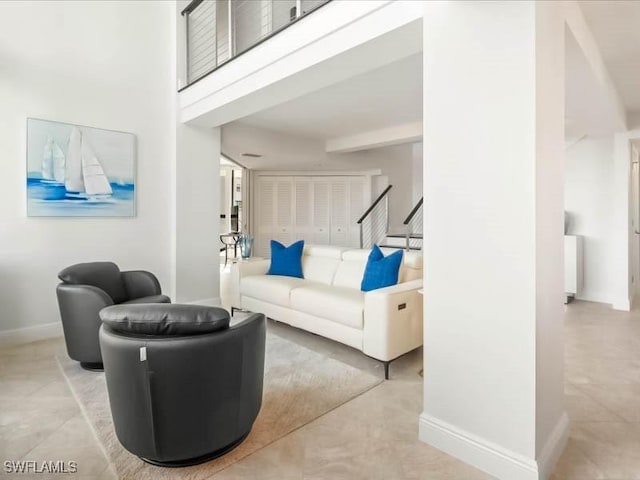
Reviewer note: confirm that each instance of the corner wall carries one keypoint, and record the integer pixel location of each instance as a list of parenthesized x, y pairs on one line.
[(589, 171), (102, 64)]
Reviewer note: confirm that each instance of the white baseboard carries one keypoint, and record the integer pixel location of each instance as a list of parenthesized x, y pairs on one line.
[(30, 334), (623, 304), (554, 447), (598, 297), (497, 461), (210, 302)]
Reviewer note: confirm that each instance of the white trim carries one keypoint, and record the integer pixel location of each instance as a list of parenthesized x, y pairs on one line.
[(554, 447), (622, 305), (597, 297), (490, 457), (211, 302), (315, 173), (483, 454), (30, 334), (383, 137)]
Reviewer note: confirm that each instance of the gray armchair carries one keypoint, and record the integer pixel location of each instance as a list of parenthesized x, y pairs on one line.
[(184, 387), (87, 288)]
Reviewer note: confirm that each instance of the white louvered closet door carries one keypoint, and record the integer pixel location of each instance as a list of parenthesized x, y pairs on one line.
[(339, 201), (321, 212), (284, 224), (303, 206), (266, 218), (357, 206)]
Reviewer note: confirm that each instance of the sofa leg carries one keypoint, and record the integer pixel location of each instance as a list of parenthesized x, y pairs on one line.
[(386, 369)]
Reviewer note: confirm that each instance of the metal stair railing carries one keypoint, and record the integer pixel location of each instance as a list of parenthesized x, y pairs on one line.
[(413, 223), (374, 222)]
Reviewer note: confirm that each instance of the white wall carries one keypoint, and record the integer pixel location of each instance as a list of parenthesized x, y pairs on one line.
[(589, 170), (417, 171), (102, 64), (290, 153), (493, 353), (197, 206)]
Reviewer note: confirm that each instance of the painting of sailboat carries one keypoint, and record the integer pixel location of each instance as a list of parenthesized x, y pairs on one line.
[(79, 171)]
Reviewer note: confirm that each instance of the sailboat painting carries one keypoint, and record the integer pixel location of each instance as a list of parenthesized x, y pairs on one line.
[(79, 171)]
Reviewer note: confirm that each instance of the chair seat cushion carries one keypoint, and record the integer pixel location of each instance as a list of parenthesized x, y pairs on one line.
[(104, 275), (149, 299), (164, 319), (270, 288), (340, 304)]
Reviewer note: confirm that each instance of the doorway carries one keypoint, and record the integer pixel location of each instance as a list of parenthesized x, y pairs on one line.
[(233, 207)]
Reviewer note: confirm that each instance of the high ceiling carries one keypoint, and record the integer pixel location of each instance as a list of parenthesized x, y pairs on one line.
[(385, 97), (616, 27)]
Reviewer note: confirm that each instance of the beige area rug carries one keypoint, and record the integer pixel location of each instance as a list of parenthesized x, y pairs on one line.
[(300, 385)]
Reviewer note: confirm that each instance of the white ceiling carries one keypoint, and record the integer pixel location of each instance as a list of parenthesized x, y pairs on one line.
[(616, 27), (381, 98)]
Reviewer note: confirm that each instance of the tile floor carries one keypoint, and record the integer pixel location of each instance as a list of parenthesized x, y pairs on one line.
[(373, 436)]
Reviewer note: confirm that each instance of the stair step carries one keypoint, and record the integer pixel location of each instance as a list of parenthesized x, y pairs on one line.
[(404, 235), (399, 248), (400, 242)]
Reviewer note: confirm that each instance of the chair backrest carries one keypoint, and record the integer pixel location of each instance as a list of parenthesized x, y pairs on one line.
[(104, 275), (188, 395)]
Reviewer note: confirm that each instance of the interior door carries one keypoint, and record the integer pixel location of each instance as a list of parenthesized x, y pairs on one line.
[(321, 213), (303, 207), (357, 206), (265, 218), (339, 202), (284, 225)]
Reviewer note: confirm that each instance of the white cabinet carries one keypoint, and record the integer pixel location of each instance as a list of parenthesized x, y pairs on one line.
[(572, 265), (316, 209)]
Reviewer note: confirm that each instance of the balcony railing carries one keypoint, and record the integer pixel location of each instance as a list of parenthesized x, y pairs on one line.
[(218, 31)]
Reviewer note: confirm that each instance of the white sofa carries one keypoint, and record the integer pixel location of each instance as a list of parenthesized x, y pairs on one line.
[(384, 323)]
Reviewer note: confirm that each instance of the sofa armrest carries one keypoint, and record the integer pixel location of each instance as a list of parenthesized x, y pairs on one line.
[(392, 320), (140, 283), (239, 270)]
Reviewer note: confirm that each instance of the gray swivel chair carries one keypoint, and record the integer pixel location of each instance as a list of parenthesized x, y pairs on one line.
[(86, 288), (183, 386)]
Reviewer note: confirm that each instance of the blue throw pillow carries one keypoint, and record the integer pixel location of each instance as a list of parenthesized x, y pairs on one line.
[(381, 271), (286, 261)]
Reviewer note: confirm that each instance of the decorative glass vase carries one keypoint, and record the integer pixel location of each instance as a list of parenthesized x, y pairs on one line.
[(246, 245)]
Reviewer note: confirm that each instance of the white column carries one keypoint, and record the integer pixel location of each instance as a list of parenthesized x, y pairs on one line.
[(493, 180), (197, 215)]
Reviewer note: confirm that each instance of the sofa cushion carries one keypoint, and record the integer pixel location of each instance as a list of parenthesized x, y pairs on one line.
[(319, 262), (104, 275), (270, 288), (354, 261), (339, 304), (349, 273), (286, 261), (411, 268), (162, 319), (381, 271), (149, 299)]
